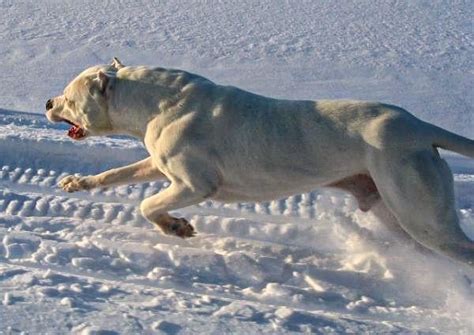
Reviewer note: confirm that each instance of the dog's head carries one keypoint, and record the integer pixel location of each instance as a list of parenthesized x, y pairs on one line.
[(84, 104)]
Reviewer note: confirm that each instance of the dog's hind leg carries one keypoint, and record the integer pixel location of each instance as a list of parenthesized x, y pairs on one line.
[(391, 223), (417, 187), (387, 218), (364, 190)]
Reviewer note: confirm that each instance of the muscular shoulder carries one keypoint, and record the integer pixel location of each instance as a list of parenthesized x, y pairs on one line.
[(171, 78)]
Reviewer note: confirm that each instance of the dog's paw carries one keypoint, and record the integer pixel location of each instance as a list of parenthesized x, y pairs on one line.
[(177, 227), (182, 228), (74, 183)]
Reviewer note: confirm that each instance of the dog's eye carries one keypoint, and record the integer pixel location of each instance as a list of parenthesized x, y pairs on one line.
[(69, 102)]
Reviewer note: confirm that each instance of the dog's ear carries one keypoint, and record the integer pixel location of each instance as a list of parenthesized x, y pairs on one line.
[(117, 64), (105, 82)]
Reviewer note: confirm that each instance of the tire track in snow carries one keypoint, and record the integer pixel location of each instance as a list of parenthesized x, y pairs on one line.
[(42, 182)]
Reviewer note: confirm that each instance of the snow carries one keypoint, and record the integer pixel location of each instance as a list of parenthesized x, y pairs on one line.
[(87, 263)]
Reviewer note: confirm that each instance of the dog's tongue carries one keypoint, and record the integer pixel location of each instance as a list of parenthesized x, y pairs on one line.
[(76, 132)]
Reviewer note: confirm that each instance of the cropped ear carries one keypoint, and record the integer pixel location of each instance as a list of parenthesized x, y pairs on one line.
[(117, 64), (105, 81)]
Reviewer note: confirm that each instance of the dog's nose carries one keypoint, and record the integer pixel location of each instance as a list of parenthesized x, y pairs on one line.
[(49, 104)]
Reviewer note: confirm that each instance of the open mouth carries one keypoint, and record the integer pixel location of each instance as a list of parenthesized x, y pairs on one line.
[(75, 132)]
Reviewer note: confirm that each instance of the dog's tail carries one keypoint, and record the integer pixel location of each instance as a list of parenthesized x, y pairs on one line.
[(449, 141)]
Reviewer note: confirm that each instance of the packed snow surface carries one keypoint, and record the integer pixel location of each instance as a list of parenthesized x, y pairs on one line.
[(88, 263)]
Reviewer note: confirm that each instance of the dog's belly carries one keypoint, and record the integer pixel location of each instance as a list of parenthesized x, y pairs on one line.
[(262, 175), (267, 177), (272, 185), (228, 194)]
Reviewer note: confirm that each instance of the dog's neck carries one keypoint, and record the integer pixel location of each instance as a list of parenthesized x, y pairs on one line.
[(132, 105)]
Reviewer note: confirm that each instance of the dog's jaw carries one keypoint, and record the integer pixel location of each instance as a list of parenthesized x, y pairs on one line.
[(76, 132)]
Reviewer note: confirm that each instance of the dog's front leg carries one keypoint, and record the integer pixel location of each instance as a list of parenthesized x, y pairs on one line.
[(177, 195), (138, 172)]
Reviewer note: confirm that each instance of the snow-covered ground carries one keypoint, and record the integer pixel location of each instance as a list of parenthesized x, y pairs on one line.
[(88, 263)]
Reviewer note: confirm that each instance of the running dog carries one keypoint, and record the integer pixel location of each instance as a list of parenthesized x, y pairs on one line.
[(220, 142)]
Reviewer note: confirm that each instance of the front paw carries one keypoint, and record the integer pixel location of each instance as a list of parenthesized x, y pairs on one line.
[(176, 226), (182, 228), (74, 183)]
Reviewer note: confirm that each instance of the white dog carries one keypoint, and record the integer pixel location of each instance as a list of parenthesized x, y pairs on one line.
[(223, 143)]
